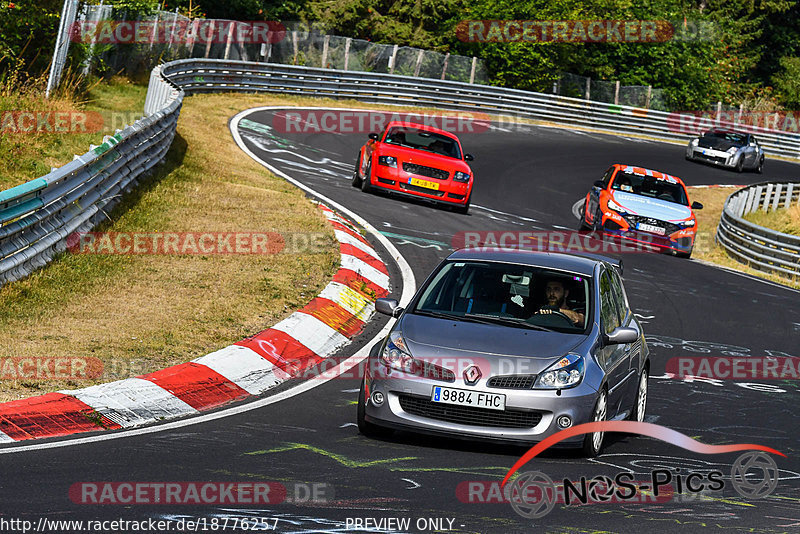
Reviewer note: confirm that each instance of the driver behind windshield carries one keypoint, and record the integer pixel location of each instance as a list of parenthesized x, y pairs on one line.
[(556, 293)]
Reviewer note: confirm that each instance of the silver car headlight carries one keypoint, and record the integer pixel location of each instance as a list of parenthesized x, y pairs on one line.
[(733, 150), (565, 373), (387, 161), (695, 141), (397, 356), (688, 224)]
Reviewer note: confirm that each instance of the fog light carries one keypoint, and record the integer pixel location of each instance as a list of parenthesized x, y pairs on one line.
[(377, 398), (564, 421)]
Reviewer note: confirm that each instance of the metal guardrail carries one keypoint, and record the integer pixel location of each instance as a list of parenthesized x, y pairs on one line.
[(749, 243), (37, 217)]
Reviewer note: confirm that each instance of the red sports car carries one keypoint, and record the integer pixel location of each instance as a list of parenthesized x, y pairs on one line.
[(421, 161)]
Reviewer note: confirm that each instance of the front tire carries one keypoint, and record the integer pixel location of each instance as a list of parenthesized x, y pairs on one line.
[(366, 428), (593, 442), (760, 167), (366, 187), (465, 208), (356, 176), (740, 165), (640, 402)]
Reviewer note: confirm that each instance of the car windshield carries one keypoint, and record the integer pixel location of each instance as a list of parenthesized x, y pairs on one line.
[(423, 140), (513, 295), (736, 138), (649, 186)]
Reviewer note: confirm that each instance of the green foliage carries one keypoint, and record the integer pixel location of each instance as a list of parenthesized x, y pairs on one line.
[(28, 34), (787, 81)]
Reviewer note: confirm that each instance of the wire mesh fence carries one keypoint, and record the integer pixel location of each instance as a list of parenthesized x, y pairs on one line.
[(293, 44), (640, 96)]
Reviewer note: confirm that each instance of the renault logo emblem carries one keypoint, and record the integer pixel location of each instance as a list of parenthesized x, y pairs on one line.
[(472, 374)]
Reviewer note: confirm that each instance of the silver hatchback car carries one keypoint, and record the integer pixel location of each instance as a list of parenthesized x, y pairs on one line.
[(509, 345)]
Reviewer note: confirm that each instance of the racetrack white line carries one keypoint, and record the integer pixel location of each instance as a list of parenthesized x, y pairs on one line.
[(409, 288)]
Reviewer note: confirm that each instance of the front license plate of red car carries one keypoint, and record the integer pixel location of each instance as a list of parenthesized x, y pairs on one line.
[(424, 183), (650, 228), (463, 397)]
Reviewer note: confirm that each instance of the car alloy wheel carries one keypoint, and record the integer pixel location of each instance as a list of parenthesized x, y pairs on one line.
[(641, 398), (365, 185), (593, 441), (356, 176)]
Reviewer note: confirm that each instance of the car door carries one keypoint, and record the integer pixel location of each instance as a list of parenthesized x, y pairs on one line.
[(632, 350), (614, 358)]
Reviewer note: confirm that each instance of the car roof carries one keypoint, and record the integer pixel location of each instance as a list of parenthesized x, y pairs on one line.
[(407, 124), (641, 171), (577, 263)]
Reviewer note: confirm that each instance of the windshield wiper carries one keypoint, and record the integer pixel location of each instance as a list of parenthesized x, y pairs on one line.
[(465, 318), (509, 321)]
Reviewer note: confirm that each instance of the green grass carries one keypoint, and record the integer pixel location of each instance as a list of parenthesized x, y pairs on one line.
[(25, 156)]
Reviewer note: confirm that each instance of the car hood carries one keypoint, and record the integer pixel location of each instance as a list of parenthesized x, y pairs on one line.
[(422, 157), (717, 143), (504, 347), (662, 210)]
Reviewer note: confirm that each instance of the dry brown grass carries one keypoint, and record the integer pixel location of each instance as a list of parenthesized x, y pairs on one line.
[(706, 248), (781, 220)]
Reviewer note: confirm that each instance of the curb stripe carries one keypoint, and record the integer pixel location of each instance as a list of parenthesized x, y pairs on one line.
[(46, 416), (355, 235), (243, 367), (369, 259), (286, 354), (358, 283), (345, 238), (366, 270), (311, 332), (132, 402), (349, 299), (199, 386), (4, 438), (334, 316)]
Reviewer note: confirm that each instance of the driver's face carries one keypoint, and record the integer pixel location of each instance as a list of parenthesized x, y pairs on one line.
[(555, 294)]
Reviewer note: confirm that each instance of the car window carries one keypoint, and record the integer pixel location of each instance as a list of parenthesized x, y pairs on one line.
[(423, 140), (609, 314), (619, 296), (607, 177), (650, 186), (507, 293)]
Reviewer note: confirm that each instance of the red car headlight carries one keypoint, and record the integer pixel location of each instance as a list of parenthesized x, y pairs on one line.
[(387, 161), (461, 176)]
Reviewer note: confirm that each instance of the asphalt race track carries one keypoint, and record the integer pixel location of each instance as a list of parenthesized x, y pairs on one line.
[(525, 180)]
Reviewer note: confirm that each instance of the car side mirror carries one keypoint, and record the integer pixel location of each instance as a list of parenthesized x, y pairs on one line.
[(469, 157), (697, 205), (599, 183), (374, 136), (388, 307), (621, 336)]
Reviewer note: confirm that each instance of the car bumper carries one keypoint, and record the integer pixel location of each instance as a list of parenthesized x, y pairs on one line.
[(449, 192), (407, 406), (715, 157), (653, 242)]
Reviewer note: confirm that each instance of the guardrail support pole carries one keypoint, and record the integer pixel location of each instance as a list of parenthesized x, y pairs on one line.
[(616, 93), (347, 52), (210, 38), (648, 97), (228, 39), (419, 62), (294, 46), (472, 69), (788, 202), (392, 59), (325, 44), (444, 67), (588, 88)]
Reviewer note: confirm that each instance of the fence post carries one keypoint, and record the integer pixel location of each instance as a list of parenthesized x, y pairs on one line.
[(210, 38), (192, 37), (788, 202), (616, 93), (741, 111), (472, 69), (719, 111), (172, 30), (68, 13), (347, 52), (155, 30), (588, 90), (294, 46), (325, 43), (444, 67), (419, 62), (229, 38), (648, 97), (392, 59)]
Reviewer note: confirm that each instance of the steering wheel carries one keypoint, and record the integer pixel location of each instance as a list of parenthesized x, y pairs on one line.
[(554, 311)]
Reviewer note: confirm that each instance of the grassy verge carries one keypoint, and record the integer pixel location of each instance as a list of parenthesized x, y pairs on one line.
[(138, 314), (706, 248), (28, 155), (781, 220)]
